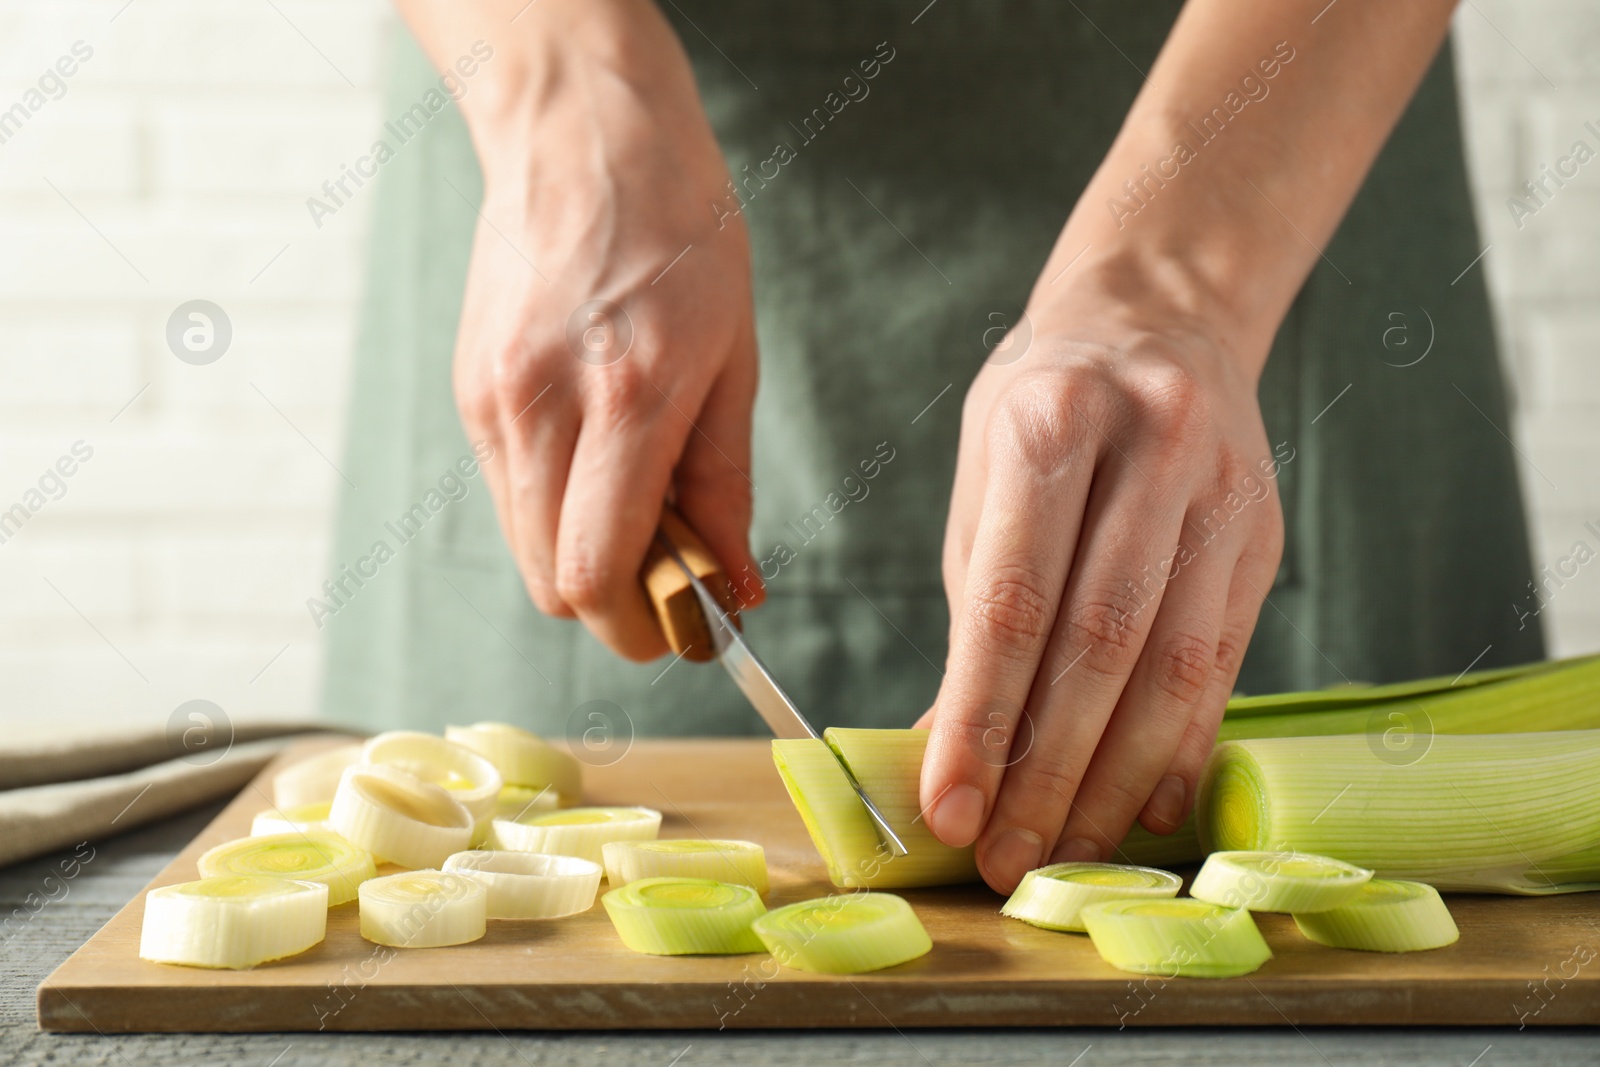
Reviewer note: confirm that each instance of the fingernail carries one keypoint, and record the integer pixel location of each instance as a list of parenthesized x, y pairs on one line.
[(1079, 850), (1166, 801), (957, 816), (1013, 854)]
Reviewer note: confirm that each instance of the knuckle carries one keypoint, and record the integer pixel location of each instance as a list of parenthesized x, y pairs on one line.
[(1183, 665), (623, 391), (1103, 624), (477, 400), (546, 600), (1271, 536), (1121, 795), (1046, 777), (979, 733), (1010, 612), (1039, 422), (1229, 655), (582, 583), (1172, 400)]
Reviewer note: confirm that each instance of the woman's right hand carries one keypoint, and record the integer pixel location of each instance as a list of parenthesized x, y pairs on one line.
[(607, 343)]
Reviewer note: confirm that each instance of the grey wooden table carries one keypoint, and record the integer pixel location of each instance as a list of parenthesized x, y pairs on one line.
[(31, 948)]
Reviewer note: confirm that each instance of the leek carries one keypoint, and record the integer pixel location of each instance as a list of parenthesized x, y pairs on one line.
[(888, 764), (685, 916), (298, 819), (1278, 881), (1385, 916), (1401, 720), (423, 909), (518, 800), (1053, 897), (576, 831), (522, 758), (1512, 813), (398, 817), (471, 778), (528, 885), (735, 862), (1181, 937), (316, 856), (314, 779), (232, 921), (851, 933)]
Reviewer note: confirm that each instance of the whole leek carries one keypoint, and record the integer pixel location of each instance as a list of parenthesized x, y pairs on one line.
[(1512, 813)]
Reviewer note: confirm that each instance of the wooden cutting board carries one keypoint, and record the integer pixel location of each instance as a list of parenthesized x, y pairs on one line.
[(1519, 960)]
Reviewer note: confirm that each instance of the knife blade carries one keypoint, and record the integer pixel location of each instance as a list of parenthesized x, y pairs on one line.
[(764, 693)]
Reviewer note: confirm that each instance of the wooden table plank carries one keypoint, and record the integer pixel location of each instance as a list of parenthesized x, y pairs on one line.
[(983, 971)]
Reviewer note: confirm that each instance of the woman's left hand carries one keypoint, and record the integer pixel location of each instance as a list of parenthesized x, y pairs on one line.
[(1113, 530)]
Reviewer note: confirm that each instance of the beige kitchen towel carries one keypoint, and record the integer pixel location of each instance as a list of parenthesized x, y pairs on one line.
[(85, 785)]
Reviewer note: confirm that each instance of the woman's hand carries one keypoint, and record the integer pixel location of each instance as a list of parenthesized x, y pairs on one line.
[(1113, 530), (607, 344)]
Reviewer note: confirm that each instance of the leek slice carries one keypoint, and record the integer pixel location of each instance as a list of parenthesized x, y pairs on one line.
[(1052, 897), (399, 818), (471, 778), (888, 764), (529, 885), (519, 800), (231, 921), (576, 831), (423, 909), (522, 758), (314, 779), (1385, 916), (735, 862), (1510, 813), (315, 856), (302, 819), (1278, 881), (850, 933), (1178, 937), (683, 916)]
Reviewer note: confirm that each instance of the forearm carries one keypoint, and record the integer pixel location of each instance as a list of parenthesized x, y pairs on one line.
[(1240, 156), (558, 66)]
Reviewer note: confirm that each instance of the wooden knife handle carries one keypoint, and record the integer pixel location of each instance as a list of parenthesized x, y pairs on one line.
[(677, 608)]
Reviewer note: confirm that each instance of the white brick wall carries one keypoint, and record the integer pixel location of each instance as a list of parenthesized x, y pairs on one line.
[(188, 543), (190, 140), (1531, 74)]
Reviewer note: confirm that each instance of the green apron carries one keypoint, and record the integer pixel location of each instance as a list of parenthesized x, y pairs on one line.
[(896, 223)]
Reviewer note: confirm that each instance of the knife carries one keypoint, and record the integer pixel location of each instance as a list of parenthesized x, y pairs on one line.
[(680, 574)]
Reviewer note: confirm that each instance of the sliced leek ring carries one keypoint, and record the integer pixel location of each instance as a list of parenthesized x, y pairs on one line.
[(519, 800), (577, 832), (851, 933), (683, 916), (522, 758), (301, 819), (1385, 916), (1176, 937), (233, 922), (530, 885), (735, 862), (423, 909), (1052, 897), (1295, 882), (314, 779), (314, 856), (399, 818), (472, 779)]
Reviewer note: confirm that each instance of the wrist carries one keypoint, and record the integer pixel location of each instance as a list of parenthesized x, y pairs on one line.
[(1140, 289), (576, 69), (1198, 247)]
